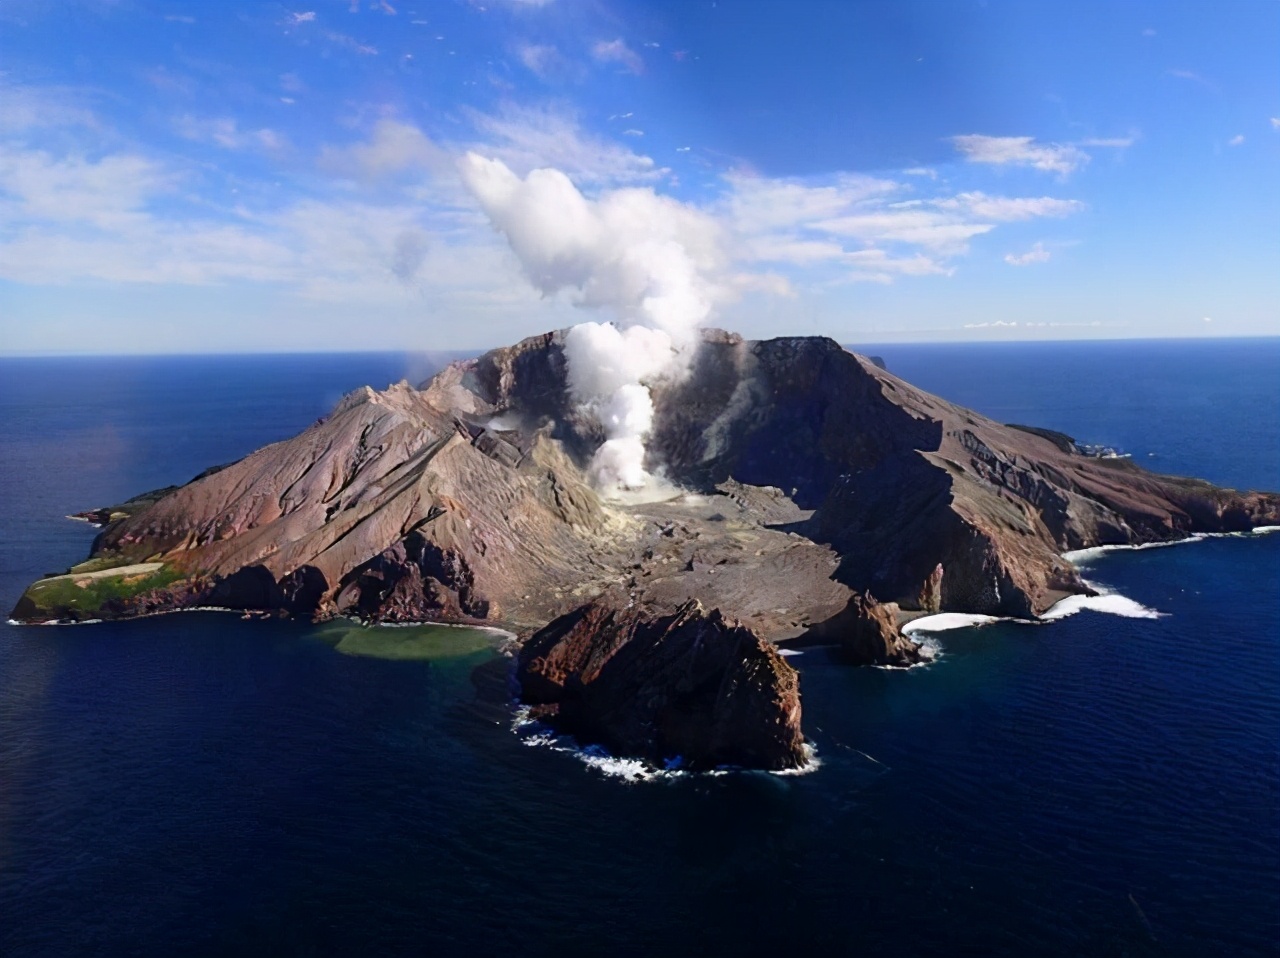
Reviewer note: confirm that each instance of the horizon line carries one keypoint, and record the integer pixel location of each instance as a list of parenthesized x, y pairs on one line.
[(464, 351)]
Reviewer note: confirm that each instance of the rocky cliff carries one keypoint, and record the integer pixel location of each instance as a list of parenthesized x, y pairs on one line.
[(810, 487)]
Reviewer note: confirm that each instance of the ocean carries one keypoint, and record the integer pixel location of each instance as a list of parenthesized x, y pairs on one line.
[(201, 785)]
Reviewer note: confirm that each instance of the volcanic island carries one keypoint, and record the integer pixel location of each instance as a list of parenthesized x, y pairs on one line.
[(808, 497)]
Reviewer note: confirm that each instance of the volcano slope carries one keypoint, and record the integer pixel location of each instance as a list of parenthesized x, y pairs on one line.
[(816, 497)]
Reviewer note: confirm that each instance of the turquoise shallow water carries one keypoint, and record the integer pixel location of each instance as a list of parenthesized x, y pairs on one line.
[(203, 785)]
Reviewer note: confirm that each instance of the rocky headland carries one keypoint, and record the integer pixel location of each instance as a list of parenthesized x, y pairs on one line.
[(815, 498)]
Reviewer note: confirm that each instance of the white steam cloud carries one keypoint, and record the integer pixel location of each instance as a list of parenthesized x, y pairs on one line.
[(645, 258)]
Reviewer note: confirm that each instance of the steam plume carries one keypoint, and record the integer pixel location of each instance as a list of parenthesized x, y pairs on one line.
[(645, 258)]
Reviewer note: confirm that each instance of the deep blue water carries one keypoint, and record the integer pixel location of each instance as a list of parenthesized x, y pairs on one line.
[(200, 785)]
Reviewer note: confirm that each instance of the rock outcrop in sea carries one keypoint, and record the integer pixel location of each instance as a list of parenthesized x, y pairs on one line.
[(815, 497)]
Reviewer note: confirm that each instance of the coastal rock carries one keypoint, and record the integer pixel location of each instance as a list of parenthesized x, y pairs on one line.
[(866, 632), (930, 596), (686, 684)]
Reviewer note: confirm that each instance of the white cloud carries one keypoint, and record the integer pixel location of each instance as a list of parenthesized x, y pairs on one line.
[(1020, 151), (24, 108), (1193, 77), (1236, 140), (633, 132), (108, 193), (1009, 209), (1113, 142), (394, 148), (526, 138), (758, 204), (112, 220), (305, 17), (226, 133), (391, 221), (921, 171), (617, 51), (1037, 254), (933, 231), (1275, 123), (861, 227), (544, 61)]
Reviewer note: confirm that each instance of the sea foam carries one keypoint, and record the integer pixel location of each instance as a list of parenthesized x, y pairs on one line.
[(1109, 602), (1084, 556), (945, 621), (537, 735)]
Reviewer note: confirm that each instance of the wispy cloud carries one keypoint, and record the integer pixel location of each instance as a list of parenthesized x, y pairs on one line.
[(393, 149), (1037, 254), (1006, 209), (1113, 142), (384, 216), (350, 43), (24, 108), (617, 51), (859, 228), (1193, 77), (529, 137), (546, 62), (1020, 151), (227, 133), (1275, 123), (1236, 140), (538, 57)]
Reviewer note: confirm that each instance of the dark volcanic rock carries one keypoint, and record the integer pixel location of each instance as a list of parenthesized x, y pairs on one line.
[(930, 596), (685, 684), (866, 632)]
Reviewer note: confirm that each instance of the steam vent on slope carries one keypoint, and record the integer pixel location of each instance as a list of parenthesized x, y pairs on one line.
[(814, 498)]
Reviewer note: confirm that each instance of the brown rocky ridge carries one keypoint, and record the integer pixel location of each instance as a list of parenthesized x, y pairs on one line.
[(817, 498)]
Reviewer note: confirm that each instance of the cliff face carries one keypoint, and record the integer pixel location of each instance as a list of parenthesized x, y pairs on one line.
[(817, 486), (685, 685)]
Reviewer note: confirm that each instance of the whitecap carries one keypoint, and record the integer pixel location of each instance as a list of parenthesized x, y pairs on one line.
[(789, 653)]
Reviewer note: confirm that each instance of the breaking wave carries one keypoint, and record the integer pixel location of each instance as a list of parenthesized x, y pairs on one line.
[(1079, 557), (1112, 603), (946, 621), (631, 770)]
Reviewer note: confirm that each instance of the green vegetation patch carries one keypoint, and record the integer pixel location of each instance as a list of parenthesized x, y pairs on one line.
[(417, 642), (101, 563), (88, 591)]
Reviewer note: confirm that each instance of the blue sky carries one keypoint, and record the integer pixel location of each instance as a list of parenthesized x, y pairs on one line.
[(192, 177)]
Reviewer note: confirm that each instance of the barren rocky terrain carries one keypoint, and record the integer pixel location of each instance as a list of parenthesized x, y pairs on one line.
[(815, 497)]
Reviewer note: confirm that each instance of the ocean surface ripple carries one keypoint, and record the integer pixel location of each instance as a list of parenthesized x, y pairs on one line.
[(206, 786)]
